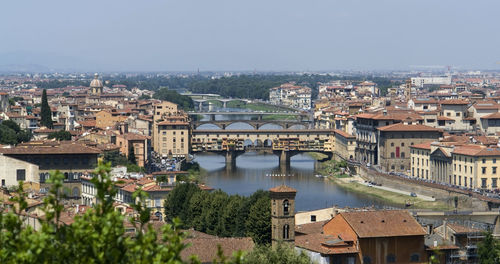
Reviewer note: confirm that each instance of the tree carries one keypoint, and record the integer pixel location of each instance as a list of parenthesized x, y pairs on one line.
[(184, 102), (46, 112), (177, 202), (282, 254), (258, 224), (488, 250), (12, 125), (115, 158), (144, 97), (60, 135), (7, 135), (97, 236)]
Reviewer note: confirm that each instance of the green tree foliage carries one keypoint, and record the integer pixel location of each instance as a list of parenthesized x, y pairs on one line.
[(46, 112), (489, 250), (144, 97), (60, 135), (220, 214), (11, 133), (98, 236), (184, 102), (115, 158), (282, 254)]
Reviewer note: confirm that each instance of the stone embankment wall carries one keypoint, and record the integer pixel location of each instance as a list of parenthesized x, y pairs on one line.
[(464, 201)]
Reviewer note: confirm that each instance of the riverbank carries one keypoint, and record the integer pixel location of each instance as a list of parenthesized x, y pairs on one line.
[(400, 200)]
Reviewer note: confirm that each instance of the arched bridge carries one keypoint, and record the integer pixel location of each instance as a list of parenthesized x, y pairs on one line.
[(255, 124), (224, 101), (284, 143)]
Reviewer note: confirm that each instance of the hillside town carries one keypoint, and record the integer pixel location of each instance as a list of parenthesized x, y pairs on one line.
[(434, 137)]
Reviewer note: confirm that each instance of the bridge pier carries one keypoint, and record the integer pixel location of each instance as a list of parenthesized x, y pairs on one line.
[(496, 230), (212, 117), (224, 104), (200, 106), (231, 156)]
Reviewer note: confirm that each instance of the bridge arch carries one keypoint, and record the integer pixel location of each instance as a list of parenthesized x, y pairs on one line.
[(208, 126), (234, 126), (297, 126), (271, 126)]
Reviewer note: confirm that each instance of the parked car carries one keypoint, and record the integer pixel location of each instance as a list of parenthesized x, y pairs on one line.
[(412, 194)]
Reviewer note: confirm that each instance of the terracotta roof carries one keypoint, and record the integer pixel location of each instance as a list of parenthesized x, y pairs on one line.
[(495, 115), (383, 223), (134, 136), (460, 229), (283, 188), (326, 244), (426, 145), (409, 128), (343, 133), (444, 118), (129, 188), (425, 101), (310, 228), (486, 105), (454, 102), (47, 147)]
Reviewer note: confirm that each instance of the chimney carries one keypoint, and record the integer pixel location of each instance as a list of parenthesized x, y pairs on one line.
[(445, 225)]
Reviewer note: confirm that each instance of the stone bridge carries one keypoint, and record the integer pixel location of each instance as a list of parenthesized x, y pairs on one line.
[(283, 143), (224, 101), (256, 124)]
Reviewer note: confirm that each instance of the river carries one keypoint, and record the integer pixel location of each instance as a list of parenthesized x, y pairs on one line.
[(256, 171)]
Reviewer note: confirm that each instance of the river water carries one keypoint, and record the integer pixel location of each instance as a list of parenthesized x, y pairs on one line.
[(254, 171)]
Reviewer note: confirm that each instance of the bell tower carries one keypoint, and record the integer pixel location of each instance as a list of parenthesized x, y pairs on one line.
[(283, 214)]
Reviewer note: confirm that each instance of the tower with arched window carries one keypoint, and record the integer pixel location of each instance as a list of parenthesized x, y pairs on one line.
[(283, 214)]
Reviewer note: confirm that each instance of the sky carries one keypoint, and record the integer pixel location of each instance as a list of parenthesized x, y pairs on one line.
[(239, 35)]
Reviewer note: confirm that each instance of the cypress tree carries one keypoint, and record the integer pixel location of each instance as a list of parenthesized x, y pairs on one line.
[(46, 113)]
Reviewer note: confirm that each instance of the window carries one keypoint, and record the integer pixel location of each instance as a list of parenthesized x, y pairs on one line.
[(392, 167), (313, 218), (415, 257), (392, 144), (391, 258), (484, 160), (483, 169), (457, 114), (392, 155), (286, 207), (402, 155), (494, 170), (21, 175), (493, 182), (286, 231), (483, 182), (402, 167), (402, 144)]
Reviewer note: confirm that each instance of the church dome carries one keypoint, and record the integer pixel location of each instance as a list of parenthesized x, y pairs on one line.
[(96, 83)]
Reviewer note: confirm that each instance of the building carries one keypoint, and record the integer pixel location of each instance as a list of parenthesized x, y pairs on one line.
[(134, 143), (291, 95), (73, 159), (96, 85), (394, 142), (430, 81), (282, 214), (464, 165), (367, 134), (365, 237), (108, 119), (345, 145), (171, 136), (12, 171), (456, 109)]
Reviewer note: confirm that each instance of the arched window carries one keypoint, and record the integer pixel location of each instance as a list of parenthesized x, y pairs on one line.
[(286, 231), (286, 207), (391, 258)]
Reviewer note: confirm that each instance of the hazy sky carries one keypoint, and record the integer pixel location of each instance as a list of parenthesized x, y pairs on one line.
[(250, 34)]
